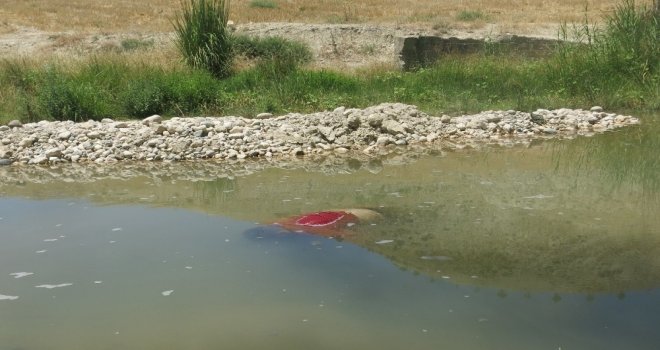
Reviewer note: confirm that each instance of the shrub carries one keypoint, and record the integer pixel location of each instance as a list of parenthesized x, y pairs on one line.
[(272, 48), (202, 36)]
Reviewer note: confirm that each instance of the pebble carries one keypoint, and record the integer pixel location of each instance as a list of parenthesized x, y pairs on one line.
[(372, 131)]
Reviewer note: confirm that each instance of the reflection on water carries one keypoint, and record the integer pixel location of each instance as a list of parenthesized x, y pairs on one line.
[(553, 246)]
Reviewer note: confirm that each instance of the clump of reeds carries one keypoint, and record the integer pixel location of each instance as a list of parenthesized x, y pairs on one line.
[(202, 36)]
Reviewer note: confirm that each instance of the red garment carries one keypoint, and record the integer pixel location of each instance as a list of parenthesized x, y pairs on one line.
[(324, 223)]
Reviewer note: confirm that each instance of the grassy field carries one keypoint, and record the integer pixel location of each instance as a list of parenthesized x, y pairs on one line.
[(618, 68), (155, 15)]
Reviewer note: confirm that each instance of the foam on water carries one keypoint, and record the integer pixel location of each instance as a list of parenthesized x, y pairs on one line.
[(8, 297), (51, 286), (21, 274)]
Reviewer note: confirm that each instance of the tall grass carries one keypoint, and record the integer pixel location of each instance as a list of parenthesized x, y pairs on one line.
[(615, 60), (202, 36)]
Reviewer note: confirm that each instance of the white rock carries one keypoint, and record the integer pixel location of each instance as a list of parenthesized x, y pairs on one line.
[(152, 120)]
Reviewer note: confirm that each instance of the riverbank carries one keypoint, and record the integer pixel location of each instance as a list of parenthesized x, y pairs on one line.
[(375, 130)]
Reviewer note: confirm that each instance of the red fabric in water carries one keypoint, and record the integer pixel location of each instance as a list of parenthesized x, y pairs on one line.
[(323, 223), (323, 218)]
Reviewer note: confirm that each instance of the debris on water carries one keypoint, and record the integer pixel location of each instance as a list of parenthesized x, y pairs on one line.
[(8, 297), (538, 196), (425, 330), (435, 257), (41, 251), (482, 320), (117, 229), (339, 246), (112, 242), (446, 277), (474, 276), (384, 241), (350, 224), (58, 225), (50, 240), (98, 282), (227, 240), (21, 274), (305, 320), (52, 286), (62, 236), (188, 267), (167, 293)]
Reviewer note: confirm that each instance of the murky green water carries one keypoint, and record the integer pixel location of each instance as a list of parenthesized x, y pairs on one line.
[(547, 247)]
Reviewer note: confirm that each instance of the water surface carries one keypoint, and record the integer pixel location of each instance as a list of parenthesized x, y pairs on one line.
[(547, 247)]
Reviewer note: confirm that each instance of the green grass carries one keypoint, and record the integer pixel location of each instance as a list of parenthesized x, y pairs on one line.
[(136, 44), (264, 4), (618, 70), (471, 15)]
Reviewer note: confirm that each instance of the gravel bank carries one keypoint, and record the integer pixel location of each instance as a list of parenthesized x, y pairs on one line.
[(374, 130)]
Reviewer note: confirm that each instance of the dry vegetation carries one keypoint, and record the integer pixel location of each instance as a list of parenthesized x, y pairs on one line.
[(155, 15)]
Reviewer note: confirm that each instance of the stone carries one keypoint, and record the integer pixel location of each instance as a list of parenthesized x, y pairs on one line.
[(393, 127), (15, 124), (445, 119), (121, 125), (38, 160), (154, 119), (94, 135), (596, 109), (353, 122), (27, 142), (160, 129), (375, 120), (64, 135), (264, 115), (4, 127), (5, 161), (384, 140), (53, 153)]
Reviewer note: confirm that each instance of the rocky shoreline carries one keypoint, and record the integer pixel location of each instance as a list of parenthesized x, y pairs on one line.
[(372, 131)]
